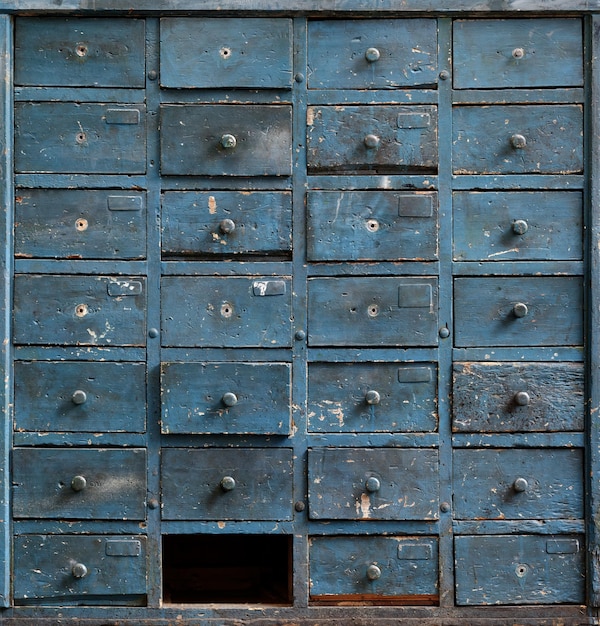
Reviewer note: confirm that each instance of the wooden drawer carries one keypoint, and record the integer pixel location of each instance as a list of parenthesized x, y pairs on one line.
[(372, 54), (80, 396), (78, 483), (520, 483), (226, 484), (372, 226), (520, 569), (225, 52), (517, 397), (372, 397), (228, 398), (373, 484)]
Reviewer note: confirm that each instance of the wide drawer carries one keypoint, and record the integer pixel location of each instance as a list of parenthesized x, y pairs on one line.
[(372, 226), (520, 569), (80, 396), (78, 483), (372, 397), (376, 484), (70, 138), (518, 139), (79, 310), (72, 568), (517, 397), (225, 52), (520, 483), (372, 54), (394, 138), (386, 570), (80, 224), (226, 484), (229, 398)]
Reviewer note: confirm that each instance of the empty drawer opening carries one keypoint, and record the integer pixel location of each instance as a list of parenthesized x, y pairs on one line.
[(240, 569)]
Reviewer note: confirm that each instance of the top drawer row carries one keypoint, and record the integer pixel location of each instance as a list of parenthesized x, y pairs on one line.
[(257, 53)]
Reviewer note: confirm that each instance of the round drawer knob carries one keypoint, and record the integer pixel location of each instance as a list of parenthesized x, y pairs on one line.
[(520, 485), (228, 141), (227, 483), (227, 226), (79, 483), (79, 570), (229, 399), (79, 397), (520, 227), (373, 572), (373, 484), (522, 398), (372, 55), (372, 397), (372, 141), (520, 309), (518, 53), (518, 142)]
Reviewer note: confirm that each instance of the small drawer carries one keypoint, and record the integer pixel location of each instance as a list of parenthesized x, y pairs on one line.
[(78, 483), (80, 224), (526, 52), (518, 139), (373, 311), (69, 138), (528, 483), (518, 225), (369, 397), (202, 223), (395, 138), (79, 310), (236, 311), (225, 52), (524, 311), (373, 484), (76, 569), (372, 226), (391, 570), (80, 396), (228, 398), (520, 569), (80, 52), (372, 54), (226, 140), (226, 484), (517, 397)]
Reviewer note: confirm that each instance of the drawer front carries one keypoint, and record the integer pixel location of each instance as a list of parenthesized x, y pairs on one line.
[(196, 223), (67, 568), (228, 140), (518, 53), (378, 483), (69, 138), (226, 312), (404, 569), (372, 311), (527, 311), (372, 137), (527, 569), (369, 397), (518, 226), (73, 483), (228, 398), (371, 54), (372, 226), (517, 397), (80, 224), (518, 483), (80, 396), (225, 52), (79, 310), (532, 139), (226, 484), (80, 52)]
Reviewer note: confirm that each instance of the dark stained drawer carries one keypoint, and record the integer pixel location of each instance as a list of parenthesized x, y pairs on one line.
[(517, 397), (79, 483), (402, 570), (366, 138), (80, 396), (372, 226), (226, 484), (226, 52), (229, 398), (371, 54), (372, 397), (520, 483), (373, 484)]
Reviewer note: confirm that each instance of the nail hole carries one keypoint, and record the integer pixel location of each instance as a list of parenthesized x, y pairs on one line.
[(81, 50), (81, 310), (80, 138), (225, 52), (81, 224)]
